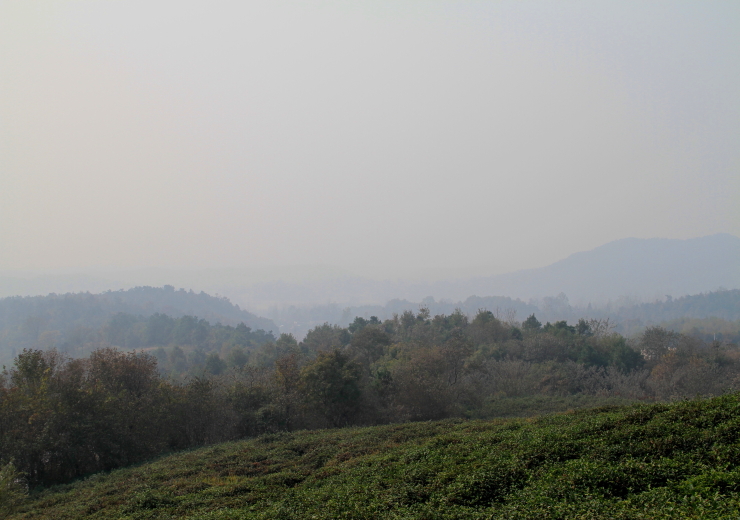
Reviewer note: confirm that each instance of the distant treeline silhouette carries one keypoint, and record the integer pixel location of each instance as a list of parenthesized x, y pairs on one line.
[(627, 316)]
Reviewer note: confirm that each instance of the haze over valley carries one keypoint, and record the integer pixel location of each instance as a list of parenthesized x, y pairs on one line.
[(391, 141), (619, 274)]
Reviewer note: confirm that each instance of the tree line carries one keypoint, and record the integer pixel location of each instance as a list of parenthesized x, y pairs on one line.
[(628, 316), (61, 418)]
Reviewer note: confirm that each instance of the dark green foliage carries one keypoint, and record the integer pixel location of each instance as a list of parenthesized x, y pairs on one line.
[(66, 418), (214, 364), (559, 328), (368, 344), (531, 323), (331, 384), (325, 338), (624, 357), (641, 462), (710, 316), (12, 489), (360, 323), (237, 357)]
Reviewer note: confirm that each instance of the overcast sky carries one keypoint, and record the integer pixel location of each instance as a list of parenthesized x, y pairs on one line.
[(392, 139)]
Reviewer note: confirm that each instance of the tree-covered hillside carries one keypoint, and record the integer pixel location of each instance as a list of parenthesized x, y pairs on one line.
[(45, 321)]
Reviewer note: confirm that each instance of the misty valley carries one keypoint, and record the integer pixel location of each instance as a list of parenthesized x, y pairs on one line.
[(369, 260)]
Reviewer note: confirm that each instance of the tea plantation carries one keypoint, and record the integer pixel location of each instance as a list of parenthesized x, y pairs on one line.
[(679, 460)]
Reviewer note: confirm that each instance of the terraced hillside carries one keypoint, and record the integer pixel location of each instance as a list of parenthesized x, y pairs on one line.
[(679, 460)]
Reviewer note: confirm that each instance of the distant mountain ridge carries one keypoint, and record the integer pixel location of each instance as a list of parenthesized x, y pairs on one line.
[(631, 277), (642, 268), (639, 269)]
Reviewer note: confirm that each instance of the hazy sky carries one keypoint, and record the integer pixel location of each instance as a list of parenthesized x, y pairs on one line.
[(387, 138)]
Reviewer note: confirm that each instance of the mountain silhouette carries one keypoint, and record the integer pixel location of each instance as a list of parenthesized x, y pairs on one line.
[(641, 268)]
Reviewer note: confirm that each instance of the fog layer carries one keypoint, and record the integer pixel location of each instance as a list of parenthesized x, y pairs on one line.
[(414, 139)]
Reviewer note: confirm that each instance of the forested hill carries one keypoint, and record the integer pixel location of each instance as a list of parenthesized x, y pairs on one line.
[(31, 316), (60, 311)]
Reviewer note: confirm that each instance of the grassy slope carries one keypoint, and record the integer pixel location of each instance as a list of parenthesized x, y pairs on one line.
[(662, 461)]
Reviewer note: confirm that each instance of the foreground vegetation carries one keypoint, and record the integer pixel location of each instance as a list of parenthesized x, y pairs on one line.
[(679, 460), (63, 418)]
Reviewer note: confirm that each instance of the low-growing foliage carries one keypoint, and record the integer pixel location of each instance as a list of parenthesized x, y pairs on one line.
[(679, 460)]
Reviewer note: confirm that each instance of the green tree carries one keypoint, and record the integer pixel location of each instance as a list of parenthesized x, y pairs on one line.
[(331, 384), (324, 338), (12, 489), (206, 417), (159, 329), (287, 382), (623, 356), (368, 344), (237, 357), (178, 360), (656, 342), (126, 408), (214, 364), (286, 344), (486, 328), (532, 324)]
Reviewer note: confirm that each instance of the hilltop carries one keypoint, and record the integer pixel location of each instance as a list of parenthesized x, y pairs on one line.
[(675, 460)]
